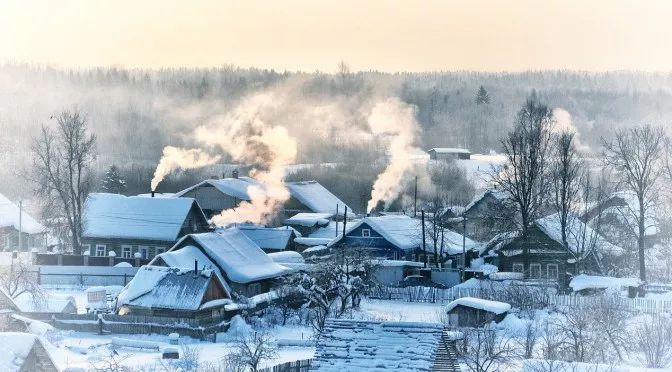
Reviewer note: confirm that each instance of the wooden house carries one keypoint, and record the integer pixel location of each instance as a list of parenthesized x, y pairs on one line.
[(13, 218), (360, 345), (475, 312), (242, 267), (449, 153), (542, 256), (309, 223), (174, 292), (24, 352), (138, 226), (312, 197), (270, 239), (216, 195), (489, 214), (399, 237)]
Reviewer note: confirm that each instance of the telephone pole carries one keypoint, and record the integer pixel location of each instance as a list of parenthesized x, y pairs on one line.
[(336, 220), (415, 199), (20, 224), (424, 249), (464, 247)]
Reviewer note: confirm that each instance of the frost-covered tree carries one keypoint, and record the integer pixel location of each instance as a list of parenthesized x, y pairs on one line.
[(636, 154), (482, 96), (113, 182)]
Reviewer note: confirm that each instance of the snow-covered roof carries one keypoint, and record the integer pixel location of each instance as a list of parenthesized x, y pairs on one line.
[(135, 217), (287, 257), (498, 241), (268, 237), (449, 150), (497, 194), (237, 256), (495, 307), (398, 263), (316, 197), (405, 233), (628, 213), (583, 281), (352, 345), (580, 236), (309, 219), (15, 349), (166, 288), (235, 187), (6, 302), (311, 242), (49, 303), (9, 216)]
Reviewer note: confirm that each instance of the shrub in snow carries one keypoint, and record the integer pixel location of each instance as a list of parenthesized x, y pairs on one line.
[(487, 351), (112, 253), (653, 339)]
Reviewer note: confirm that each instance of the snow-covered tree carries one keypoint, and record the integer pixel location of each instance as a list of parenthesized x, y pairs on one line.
[(113, 182), (482, 96)]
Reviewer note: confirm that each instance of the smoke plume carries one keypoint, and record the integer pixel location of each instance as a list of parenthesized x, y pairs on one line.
[(248, 135), (177, 158), (395, 120), (562, 122)]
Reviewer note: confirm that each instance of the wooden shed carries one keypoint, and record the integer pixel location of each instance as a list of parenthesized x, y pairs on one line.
[(475, 312)]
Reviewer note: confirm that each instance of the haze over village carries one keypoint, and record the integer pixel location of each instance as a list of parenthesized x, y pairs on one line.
[(318, 186)]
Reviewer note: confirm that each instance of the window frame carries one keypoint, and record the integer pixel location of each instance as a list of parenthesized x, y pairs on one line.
[(126, 248), (104, 247), (144, 248), (518, 264), (87, 248), (366, 233), (557, 271), (535, 265)]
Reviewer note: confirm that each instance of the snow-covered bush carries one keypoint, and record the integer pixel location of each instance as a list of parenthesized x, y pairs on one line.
[(653, 339)]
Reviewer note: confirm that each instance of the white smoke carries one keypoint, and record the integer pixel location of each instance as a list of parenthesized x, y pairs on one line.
[(396, 120), (248, 135), (175, 158), (562, 122)]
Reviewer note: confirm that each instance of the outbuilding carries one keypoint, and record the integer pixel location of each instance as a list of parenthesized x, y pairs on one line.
[(475, 312)]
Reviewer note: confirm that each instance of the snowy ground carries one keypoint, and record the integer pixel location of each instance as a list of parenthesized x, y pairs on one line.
[(84, 350)]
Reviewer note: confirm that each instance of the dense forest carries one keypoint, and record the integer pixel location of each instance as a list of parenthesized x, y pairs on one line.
[(135, 113)]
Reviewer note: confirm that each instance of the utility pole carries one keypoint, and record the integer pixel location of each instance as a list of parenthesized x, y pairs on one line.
[(464, 247), (336, 220), (20, 223), (415, 199), (424, 249), (345, 219)]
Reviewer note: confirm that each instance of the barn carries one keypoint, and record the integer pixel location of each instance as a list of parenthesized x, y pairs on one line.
[(13, 218), (475, 312)]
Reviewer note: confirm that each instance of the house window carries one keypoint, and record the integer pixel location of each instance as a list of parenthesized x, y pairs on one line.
[(144, 251), (535, 271), (159, 250), (552, 271), (86, 248), (518, 268), (366, 233), (126, 251), (101, 250)]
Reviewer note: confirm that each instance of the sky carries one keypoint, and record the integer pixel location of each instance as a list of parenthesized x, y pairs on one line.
[(309, 35)]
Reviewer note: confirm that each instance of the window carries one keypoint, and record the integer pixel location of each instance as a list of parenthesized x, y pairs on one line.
[(101, 250), (159, 250), (518, 268), (86, 248), (552, 271), (126, 251), (144, 251), (535, 271), (366, 233)]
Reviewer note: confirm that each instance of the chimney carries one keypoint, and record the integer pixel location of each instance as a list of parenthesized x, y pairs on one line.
[(152, 193), (234, 174)]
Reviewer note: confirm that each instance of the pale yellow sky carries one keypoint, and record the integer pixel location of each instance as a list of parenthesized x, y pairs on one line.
[(390, 35)]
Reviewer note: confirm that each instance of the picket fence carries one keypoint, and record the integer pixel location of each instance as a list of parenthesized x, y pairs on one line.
[(294, 366), (439, 295)]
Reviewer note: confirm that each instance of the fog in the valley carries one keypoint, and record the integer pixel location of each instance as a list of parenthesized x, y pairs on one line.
[(339, 134)]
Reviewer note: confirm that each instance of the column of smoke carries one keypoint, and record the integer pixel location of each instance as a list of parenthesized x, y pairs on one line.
[(248, 135), (396, 120), (175, 158), (562, 122)]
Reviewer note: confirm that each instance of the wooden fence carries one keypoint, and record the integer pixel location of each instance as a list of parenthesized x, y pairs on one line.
[(295, 366), (438, 295), (130, 324)]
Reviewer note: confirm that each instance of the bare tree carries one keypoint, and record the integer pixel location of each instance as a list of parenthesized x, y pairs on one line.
[(251, 350), (20, 279), (653, 339), (566, 180), (526, 149), (486, 351), (636, 155), (610, 321), (62, 158), (576, 328)]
